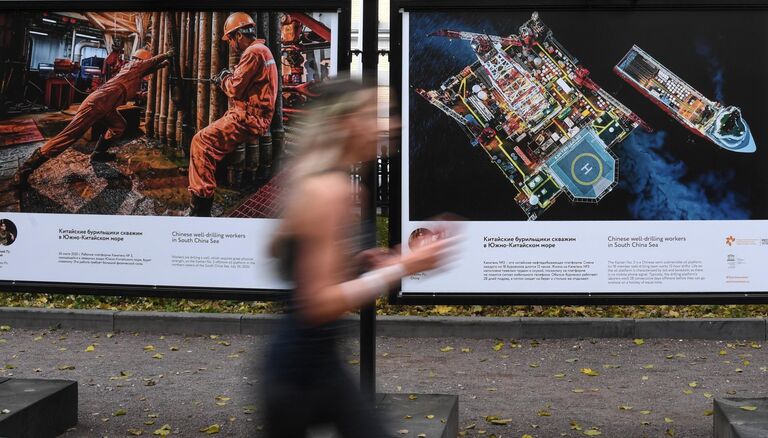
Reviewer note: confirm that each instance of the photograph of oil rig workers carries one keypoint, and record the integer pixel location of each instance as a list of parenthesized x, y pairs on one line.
[(154, 113)]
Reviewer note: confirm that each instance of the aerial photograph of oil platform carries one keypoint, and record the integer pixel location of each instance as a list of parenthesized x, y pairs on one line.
[(532, 107), (723, 126)]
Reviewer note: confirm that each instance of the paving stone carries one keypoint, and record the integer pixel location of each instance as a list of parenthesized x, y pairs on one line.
[(36, 407), (732, 421)]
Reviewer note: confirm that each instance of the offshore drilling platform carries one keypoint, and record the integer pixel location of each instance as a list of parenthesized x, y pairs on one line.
[(721, 125), (531, 106)]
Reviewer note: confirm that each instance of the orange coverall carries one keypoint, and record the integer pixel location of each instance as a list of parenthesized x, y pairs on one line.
[(252, 89), (113, 63), (102, 105)]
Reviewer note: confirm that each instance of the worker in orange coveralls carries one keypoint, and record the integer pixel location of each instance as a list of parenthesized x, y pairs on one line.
[(100, 105), (252, 89), (114, 61)]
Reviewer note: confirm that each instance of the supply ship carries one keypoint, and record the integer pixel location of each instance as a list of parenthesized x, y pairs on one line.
[(533, 109), (723, 126)]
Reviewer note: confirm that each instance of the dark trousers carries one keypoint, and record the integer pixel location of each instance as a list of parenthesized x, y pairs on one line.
[(305, 385)]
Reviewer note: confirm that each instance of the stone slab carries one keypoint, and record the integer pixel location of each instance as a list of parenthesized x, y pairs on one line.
[(731, 421), (35, 318), (178, 323), (453, 326), (434, 415), (555, 328), (37, 408), (265, 325), (701, 328)]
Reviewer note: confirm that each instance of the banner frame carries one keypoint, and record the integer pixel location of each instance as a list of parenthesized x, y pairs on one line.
[(396, 296), (343, 56)]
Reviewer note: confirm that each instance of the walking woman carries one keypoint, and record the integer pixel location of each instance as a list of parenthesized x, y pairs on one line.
[(318, 248)]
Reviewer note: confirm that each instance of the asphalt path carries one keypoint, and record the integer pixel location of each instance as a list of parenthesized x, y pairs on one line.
[(133, 382)]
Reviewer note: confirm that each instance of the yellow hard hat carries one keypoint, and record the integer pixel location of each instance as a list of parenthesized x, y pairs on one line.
[(142, 54), (237, 20)]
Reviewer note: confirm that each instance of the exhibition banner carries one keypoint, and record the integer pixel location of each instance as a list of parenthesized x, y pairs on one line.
[(614, 151), (143, 148)]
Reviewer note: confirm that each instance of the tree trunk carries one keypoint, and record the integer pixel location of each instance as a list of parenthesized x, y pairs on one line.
[(149, 119), (164, 74), (159, 89), (203, 69), (217, 26), (278, 132)]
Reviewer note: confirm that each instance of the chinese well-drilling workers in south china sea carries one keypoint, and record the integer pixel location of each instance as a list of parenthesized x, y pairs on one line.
[(101, 105), (251, 89)]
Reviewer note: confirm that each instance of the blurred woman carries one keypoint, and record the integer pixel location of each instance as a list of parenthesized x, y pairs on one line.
[(318, 246)]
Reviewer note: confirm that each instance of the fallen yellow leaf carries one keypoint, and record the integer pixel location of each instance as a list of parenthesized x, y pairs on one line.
[(592, 432), (748, 408), (589, 372), (708, 412), (164, 430), (90, 348), (639, 342), (212, 429), (446, 349)]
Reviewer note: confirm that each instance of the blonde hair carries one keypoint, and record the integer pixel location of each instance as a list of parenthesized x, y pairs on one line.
[(324, 138)]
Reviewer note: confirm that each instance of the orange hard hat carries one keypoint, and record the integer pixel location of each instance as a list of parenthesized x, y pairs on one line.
[(237, 20), (142, 54)]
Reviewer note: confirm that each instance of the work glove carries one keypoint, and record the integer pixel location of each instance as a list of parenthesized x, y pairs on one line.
[(219, 78)]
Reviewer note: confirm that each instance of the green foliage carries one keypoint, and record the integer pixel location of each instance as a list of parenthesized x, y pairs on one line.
[(383, 308)]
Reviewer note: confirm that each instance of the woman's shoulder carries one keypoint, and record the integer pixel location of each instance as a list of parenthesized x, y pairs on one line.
[(326, 187)]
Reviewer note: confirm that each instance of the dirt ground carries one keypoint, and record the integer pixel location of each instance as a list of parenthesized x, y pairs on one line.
[(651, 388)]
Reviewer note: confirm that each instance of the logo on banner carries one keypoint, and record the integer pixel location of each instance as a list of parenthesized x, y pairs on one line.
[(731, 241)]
